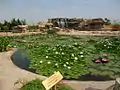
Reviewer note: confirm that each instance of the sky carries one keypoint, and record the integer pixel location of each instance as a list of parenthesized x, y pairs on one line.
[(38, 10)]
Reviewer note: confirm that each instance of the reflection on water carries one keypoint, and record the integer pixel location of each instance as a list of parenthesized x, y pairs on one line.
[(21, 60)]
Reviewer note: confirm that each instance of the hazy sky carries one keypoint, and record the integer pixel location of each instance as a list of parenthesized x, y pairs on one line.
[(36, 10)]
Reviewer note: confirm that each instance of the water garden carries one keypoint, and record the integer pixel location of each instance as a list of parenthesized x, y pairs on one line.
[(76, 57)]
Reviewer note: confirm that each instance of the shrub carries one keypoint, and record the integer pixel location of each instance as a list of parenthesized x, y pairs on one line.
[(65, 87), (37, 85), (33, 85), (51, 31), (4, 43)]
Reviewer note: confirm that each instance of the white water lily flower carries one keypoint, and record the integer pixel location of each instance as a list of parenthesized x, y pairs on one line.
[(69, 67), (62, 53), (56, 52), (105, 45), (72, 55), (15, 46), (46, 56), (56, 64), (49, 62), (64, 65), (75, 43), (67, 62), (81, 56), (57, 45), (76, 58), (9, 45), (81, 52), (41, 61), (70, 46), (109, 44)]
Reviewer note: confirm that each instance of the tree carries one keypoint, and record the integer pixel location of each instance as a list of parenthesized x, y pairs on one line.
[(116, 22), (19, 22), (107, 21), (23, 22), (0, 26), (6, 28), (14, 22)]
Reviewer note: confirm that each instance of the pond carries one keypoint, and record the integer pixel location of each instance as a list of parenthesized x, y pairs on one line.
[(23, 61)]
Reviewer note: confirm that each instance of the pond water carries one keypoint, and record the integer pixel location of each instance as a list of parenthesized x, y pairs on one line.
[(21, 60)]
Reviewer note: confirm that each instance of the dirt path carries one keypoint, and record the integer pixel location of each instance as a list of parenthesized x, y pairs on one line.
[(72, 32), (9, 74), (84, 85), (93, 33), (18, 34)]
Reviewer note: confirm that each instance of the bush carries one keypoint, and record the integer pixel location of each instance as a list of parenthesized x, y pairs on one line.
[(4, 43), (37, 85), (65, 87), (33, 85), (51, 31)]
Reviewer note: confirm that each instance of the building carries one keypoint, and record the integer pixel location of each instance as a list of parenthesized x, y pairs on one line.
[(20, 28), (77, 23)]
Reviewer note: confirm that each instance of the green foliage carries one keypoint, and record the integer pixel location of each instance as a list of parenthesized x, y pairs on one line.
[(32, 27), (4, 43), (68, 59), (8, 25), (23, 22), (6, 28), (33, 85), (116, 22), (37, 85), (112, 48), (51, 31), (65, 87), (107, 21), (72, 56)]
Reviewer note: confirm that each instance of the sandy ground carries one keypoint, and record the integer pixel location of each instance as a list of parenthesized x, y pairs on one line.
[(84, 85), (71, 32), (93, 33), (10, 74), (17, 34)]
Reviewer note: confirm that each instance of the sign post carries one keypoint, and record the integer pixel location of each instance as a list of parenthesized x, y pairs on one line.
[(52, 81)]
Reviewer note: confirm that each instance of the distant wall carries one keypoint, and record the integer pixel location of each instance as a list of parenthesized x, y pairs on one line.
[(111, 27)]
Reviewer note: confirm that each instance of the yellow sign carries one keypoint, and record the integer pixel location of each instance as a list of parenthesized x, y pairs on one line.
[(52, 80)]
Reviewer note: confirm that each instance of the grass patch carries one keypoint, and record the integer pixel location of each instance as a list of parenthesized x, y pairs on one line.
[(37, 85)]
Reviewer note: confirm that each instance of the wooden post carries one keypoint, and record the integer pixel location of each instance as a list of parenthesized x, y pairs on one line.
[(55, 87)]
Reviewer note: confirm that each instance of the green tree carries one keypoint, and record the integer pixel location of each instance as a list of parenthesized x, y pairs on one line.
[(14, 22), (23, 22), (19, 22), (6, 28), (107, 21), (116, 22), (8, 24), (0, 25)]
